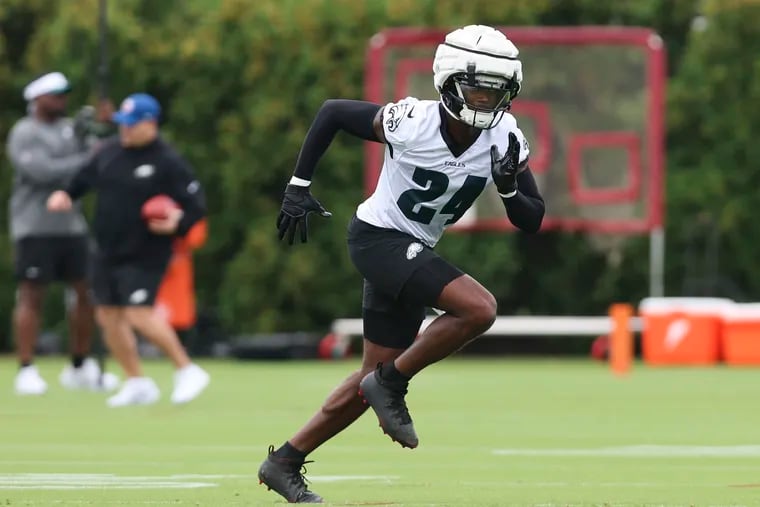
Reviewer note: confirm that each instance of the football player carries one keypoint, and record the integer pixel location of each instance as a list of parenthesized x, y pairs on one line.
[(439, 157)]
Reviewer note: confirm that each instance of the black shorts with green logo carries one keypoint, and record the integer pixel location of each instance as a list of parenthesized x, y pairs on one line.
[(45, 259), (130, 283), (402, 277)]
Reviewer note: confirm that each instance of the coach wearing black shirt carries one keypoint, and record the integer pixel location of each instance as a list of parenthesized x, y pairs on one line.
[(133, 253)]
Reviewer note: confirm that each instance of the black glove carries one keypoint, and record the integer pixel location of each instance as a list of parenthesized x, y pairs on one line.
[(504, 170), (297, 203)]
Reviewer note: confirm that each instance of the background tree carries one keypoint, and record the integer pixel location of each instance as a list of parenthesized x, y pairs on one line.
[(241, 81)]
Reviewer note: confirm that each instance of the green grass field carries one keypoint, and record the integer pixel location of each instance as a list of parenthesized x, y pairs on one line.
[(492, 432)]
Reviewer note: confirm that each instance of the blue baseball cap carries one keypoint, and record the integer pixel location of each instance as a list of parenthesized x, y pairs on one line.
[(136, 108)]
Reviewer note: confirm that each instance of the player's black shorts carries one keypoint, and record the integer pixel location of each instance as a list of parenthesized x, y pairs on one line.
[(45, 259), (402, 276), (126, 283)]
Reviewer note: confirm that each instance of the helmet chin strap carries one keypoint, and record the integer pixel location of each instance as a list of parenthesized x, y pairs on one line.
[(480, 119)]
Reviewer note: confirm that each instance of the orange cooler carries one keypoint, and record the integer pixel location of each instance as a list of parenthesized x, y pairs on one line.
[(741, 334), (682, 331)]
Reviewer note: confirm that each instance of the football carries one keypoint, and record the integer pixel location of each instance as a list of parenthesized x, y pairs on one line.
[(158, 207)]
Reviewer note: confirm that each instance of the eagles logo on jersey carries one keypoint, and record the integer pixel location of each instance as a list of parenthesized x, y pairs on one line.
[(395, 114)]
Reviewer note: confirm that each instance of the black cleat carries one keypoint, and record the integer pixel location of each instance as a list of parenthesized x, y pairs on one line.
[(387, 400), (285, 477)]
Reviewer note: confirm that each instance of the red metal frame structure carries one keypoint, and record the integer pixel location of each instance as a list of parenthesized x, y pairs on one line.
[(652, 165)]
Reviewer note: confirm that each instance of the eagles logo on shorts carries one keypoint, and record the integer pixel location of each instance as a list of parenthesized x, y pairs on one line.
[(413, 250)]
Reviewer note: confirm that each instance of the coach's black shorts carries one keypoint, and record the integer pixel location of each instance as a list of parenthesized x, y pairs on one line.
[(402, 276), (45, 259), (126, 283)]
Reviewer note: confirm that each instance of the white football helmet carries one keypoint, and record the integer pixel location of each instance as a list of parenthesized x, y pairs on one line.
[(477, 60)]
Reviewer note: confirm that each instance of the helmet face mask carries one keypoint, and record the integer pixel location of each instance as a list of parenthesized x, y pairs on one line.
[(480, 100), (477, 74)]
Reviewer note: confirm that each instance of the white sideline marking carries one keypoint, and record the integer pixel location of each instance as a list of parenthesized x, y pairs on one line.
[(114, 502), (646, 451), (112, 481), (340, 478)]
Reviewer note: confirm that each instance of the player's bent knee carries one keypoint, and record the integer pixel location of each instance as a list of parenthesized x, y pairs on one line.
[(28, 306), (482, 314), (137, 315), (108, 316), (30, 299)]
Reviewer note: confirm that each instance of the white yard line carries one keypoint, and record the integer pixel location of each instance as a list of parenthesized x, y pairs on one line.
[(341, 478), (111, 481), (644, 451)]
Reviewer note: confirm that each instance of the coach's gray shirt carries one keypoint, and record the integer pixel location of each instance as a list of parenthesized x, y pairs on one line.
[(45, 156)]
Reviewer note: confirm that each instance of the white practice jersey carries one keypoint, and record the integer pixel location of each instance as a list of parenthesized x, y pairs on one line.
[(423, 186)]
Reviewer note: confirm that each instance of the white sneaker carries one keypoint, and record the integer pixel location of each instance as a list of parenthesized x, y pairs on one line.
[(88, 377), (189, 382), (135, 391), (29, 382)]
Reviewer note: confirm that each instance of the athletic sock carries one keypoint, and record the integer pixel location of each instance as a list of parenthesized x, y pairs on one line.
[(77, 360), (287, 451), (389, 372)]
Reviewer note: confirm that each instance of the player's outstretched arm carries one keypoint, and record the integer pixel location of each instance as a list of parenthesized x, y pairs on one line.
[(353, 116)]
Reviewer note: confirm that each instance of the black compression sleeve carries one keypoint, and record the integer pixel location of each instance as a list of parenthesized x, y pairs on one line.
[(352, 116), (526, 208)]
